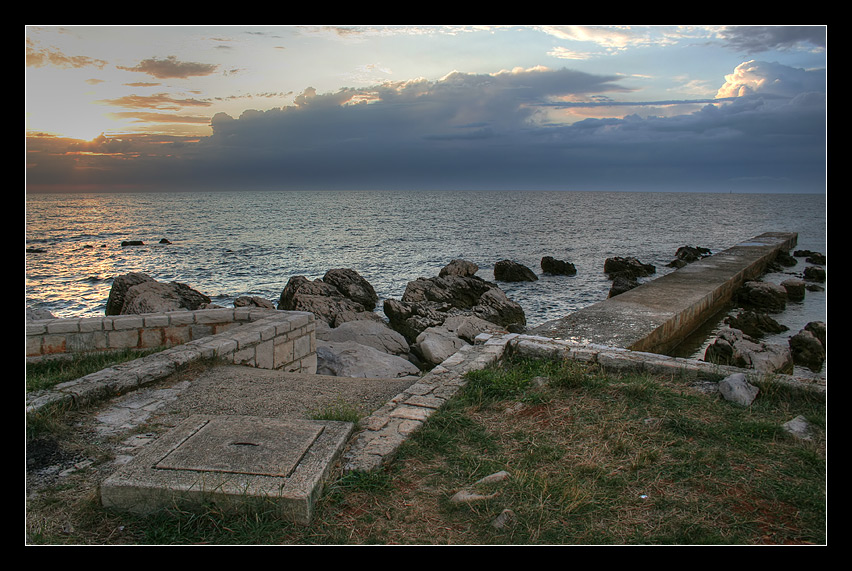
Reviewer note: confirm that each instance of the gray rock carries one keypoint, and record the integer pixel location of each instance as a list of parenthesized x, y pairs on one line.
[(507, 518), (799, 427), (735, 388), (35, 314), (119, 288), (688, 254), (762, 295), (459, 268), (352, 286), (754, 324), (469, 326), (621, 284), (807, 350), (253, 301), (436, 344), (366, 332), (818, 330), (350, 359), (814, 274), (511, 271), (627, 266), (551, 265), (795, 289)]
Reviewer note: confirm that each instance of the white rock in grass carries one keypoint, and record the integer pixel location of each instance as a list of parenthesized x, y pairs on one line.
[(736, 389)]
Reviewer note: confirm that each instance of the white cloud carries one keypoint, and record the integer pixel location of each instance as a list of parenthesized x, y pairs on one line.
[(766, 78)]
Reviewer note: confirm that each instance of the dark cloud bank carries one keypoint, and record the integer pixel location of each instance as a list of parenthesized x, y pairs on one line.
[(497, 132)]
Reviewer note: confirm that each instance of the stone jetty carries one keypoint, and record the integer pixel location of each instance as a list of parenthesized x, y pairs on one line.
[(657, 315)]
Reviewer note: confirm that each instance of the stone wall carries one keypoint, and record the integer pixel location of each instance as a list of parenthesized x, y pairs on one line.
[(263, 338)]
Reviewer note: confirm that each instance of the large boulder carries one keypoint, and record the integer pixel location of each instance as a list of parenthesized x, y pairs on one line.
[(434, 345), (627, 267), (511, 271), (371, 333), (551, 265), (754, 324), (808, 350), (429, 302), (733, 347), (353, 286), (350, 359), (462, 268), (765, 296), (818, 329), (328, 302), (120, 285), (795, 289), (137, 293), (467, 327)]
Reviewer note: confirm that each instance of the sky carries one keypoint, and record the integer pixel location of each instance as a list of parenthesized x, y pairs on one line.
[(315, 107)]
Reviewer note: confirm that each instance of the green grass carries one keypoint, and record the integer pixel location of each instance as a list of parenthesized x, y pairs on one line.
[(48, 373), (339, 410), (593, 459)]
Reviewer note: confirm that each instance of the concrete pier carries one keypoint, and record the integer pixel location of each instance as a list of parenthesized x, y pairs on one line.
[(658, 315)]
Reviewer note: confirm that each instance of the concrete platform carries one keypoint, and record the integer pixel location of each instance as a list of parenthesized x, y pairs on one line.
[(656, 316), (236, 462)]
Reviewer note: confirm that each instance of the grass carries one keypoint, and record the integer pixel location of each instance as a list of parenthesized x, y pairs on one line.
[(593, 459)]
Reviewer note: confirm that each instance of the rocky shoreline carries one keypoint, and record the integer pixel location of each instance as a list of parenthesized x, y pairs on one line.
[(437, 316)]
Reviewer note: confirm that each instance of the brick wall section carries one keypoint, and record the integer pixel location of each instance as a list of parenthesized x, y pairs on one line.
[(263, 338)]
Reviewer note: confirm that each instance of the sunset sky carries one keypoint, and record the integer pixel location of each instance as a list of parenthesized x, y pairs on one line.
[(669, 108)]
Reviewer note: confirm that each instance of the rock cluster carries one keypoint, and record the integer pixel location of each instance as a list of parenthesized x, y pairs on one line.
[(738, 343), (341, 295), (434, 319), (625, 273), (429, 302), (688, 254), (735, 348)]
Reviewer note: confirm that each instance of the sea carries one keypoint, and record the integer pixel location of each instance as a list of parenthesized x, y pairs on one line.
[(250, 243)]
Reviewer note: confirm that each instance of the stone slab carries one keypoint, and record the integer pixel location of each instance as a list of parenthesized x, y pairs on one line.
[(235, 462)]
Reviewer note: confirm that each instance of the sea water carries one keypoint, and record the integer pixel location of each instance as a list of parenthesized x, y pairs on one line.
[(230, 244)]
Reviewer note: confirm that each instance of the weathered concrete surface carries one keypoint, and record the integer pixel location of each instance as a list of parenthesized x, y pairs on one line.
[(236, 462), (656, 316)]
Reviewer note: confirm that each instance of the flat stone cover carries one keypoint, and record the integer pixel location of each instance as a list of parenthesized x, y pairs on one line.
[(232, 461), (244, 445)]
